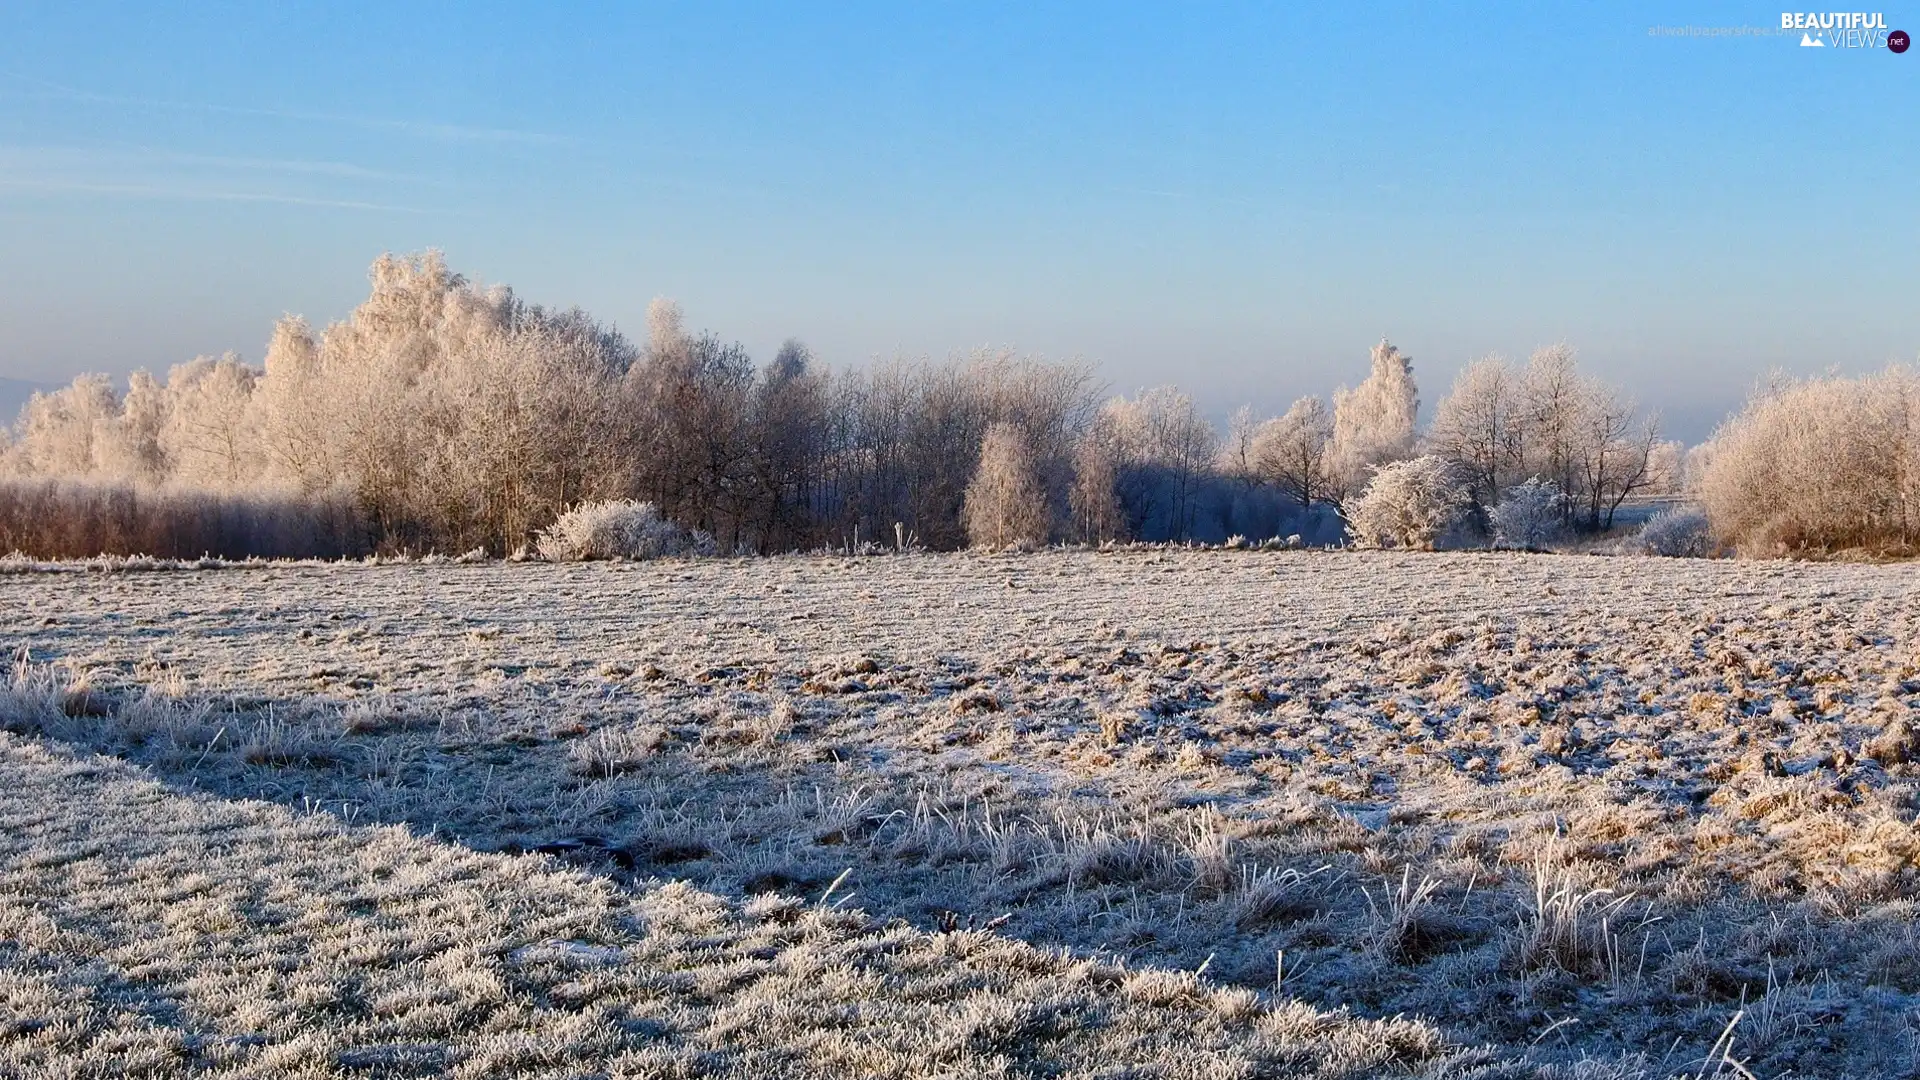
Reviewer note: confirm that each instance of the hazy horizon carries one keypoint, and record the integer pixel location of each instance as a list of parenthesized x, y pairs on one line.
[(1239, 202)]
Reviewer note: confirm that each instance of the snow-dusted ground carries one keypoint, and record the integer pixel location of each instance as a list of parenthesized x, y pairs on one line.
[(1569, 806)]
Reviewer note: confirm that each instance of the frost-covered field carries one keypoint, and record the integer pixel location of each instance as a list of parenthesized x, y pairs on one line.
[(147, 933), (1568, 808)]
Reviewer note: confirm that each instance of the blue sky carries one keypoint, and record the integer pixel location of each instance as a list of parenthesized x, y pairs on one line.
[(1239, 199)]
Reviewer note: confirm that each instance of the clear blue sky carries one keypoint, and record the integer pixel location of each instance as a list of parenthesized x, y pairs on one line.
[(1240, 199)]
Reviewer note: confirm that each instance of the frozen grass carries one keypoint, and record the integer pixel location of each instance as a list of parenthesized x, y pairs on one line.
[(148, 933), (1583, 810)]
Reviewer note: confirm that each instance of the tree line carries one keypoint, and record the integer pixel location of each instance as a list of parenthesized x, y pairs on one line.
[(440, 415)]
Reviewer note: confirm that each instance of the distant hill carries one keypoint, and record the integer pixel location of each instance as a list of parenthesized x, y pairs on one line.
[(14, 394)]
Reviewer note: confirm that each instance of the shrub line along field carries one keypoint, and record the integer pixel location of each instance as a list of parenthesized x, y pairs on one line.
[(1579, 811)]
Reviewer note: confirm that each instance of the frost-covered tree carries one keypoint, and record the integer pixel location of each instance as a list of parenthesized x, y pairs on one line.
[(56, 432), (1554, 396), (127, 447), (1407, 504), (456, 416), (1373, 423), (1005, 503), (1051, 403), (1162, 450), (897, 441), (1667, 468), (1549, 421), (1093, 500), (1694, 467), (692, 400), (1294, 452), (207, 436), (665, 326), (788, 414), (792, 361), (1479, 427), (1613, 453), (529, 425), (293, 405), (1237, 461)]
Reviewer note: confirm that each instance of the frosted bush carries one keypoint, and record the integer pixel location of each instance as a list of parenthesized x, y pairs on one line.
[(1680, 533), (1529, 516), (620, 529), (1827, 464), (1408, 504), (80, 519)]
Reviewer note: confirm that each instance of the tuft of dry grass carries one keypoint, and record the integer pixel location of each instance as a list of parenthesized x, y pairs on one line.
[(1399, 917), (1573, 928)]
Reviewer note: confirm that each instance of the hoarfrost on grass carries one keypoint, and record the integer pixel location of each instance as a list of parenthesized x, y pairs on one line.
[(1377, 782)]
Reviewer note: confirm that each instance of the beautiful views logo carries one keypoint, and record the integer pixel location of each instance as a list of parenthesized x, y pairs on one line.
[(1841, 29)]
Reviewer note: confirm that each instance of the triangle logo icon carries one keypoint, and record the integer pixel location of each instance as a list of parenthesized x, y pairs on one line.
[(1808, 41)]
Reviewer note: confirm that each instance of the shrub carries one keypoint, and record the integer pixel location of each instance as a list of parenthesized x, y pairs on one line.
[(1408, 504), (1529, 516), (620, 529), (78, 519), (1681, 533), (1822, 465)]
